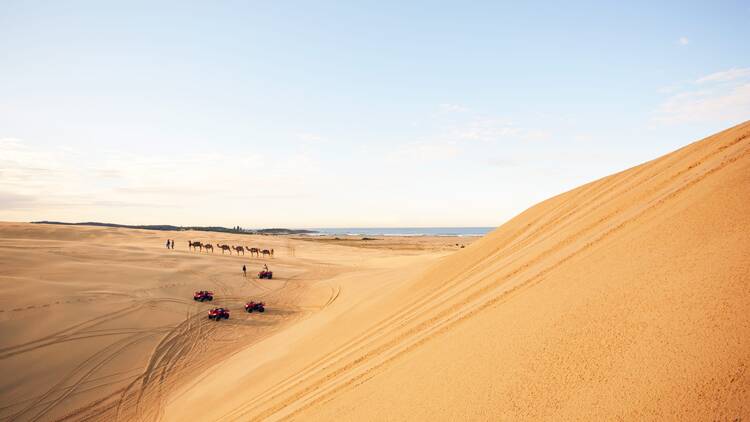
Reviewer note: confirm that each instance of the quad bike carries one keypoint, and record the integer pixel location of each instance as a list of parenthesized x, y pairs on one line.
[(265, 274), (255, 306), (203, 295), (218, 313)]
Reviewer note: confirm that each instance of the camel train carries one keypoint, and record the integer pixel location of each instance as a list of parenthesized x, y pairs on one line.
[(258, 252), (226, 248)]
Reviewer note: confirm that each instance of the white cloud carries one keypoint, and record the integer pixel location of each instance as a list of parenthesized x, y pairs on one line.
[(668, 89), (311, 138), (453, 108), (732, 105), (726, 75), (721, 98), (468, 131), (426, 151), (502, 162), (46, 181), (683, 41), (494, 129), (14, 201)]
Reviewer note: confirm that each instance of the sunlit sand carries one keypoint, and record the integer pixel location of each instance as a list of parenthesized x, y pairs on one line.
[(626, 298)]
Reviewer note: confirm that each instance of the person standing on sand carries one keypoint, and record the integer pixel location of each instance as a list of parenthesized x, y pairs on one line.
[(172, 243), (244, 271), (167, 243)]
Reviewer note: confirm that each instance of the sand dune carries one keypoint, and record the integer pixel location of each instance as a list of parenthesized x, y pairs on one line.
[(627, 298), (99, 323)]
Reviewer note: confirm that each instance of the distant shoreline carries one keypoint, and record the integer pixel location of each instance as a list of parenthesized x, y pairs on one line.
[(403, 231), (167, 227), (337, 231)]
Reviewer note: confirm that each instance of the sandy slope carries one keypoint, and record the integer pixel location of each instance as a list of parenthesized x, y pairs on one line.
[(100, 323), (627, 298)]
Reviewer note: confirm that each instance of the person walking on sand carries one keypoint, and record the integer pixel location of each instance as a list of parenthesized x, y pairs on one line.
[(172, 243), (167, 243), (244, 271)]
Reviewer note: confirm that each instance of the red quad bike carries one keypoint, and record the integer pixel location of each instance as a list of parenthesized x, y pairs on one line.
[(203, 295), (218, 313), (255, 306), (265, 274)]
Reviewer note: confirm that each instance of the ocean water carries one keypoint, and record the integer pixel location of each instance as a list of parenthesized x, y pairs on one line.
[(404, 231)]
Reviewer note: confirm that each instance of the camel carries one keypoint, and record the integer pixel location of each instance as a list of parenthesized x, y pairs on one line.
[(208, 246), (239, 249), (267, 252), (194, 245), (253, 251), (224, 248)]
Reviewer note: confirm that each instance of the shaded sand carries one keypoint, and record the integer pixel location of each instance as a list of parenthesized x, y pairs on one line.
[(627, 298), (99, 323)]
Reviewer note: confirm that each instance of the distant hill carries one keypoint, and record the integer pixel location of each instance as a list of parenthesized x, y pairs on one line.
[(167, 227)]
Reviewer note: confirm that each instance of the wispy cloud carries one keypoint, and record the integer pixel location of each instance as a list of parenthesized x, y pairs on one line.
[(726, 75), (426, 151), (459, 129), (683, 41), (453, 108), (38, 178), (721, 97), (312, 138), (502, 162), (488, 129), (14, 201)]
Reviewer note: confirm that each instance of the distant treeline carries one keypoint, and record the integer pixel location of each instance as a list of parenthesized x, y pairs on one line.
[(167, 227)]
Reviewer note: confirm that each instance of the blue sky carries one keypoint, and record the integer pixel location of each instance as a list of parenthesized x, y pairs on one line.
[(313, 114)]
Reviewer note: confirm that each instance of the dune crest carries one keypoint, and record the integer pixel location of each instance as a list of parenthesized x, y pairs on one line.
[(625, 298)]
